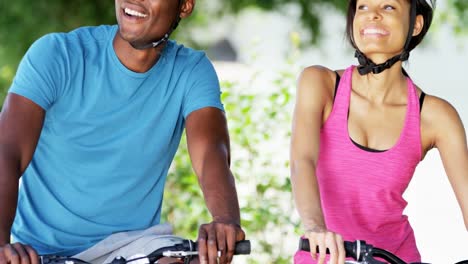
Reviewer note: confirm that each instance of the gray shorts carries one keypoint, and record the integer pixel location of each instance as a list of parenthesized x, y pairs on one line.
[(127, 244)]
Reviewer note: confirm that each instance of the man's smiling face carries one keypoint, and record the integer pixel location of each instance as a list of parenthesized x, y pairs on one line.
[(143, 21)]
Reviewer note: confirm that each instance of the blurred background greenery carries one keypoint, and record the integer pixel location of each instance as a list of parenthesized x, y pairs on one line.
[(24, 21), (254, 118)]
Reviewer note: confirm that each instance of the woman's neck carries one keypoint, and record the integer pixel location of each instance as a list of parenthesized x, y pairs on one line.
[(386, 86)]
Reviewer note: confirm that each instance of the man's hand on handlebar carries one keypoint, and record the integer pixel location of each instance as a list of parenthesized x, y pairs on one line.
[(218, 236), (17, 253), (320, 239)]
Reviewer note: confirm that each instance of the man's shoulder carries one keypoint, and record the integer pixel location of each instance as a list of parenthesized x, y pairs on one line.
[(84, 33), (91, 34), (187, 55), (80, 37)]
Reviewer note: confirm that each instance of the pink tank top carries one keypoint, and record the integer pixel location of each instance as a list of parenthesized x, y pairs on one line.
[(361, 191)]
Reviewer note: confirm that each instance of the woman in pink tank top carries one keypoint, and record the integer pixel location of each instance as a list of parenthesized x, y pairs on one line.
[(359, 133)]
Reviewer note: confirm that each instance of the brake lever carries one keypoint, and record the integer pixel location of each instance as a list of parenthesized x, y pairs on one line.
[(52, 259), (179, 254), (186, 255), (369, 259), (182, 254)]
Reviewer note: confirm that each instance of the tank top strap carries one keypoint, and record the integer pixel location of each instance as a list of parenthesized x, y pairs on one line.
[(343, 93), (411, 133)]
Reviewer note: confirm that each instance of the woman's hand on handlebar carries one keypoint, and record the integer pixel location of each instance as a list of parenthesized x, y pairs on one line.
[(321, 239), (218, 236), (17, 253)]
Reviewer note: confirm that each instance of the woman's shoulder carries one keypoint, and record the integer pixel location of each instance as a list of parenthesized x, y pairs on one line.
[(319, 79), (439, 115), (318, 73), (438, 107), (316, 88)]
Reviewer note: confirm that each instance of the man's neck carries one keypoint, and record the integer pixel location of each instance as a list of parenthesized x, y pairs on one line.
[(134, 59)]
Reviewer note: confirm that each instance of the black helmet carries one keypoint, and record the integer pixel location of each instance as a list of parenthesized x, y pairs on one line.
[(418, 7)]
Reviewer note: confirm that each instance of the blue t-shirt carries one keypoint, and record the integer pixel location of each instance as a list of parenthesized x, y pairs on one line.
[(108, 139)]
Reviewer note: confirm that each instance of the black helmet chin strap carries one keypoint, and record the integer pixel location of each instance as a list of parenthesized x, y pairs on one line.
[(366, 65), (155, 44)]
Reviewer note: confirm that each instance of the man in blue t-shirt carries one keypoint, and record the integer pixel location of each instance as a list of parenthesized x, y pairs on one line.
[(91, 124)]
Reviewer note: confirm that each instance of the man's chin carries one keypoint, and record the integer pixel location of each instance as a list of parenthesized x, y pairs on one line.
[(132, 39)]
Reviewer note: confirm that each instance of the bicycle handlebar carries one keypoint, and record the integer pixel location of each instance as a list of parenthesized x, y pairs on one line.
[(185, 249), (189, 248), (360, 251), (242, 248)]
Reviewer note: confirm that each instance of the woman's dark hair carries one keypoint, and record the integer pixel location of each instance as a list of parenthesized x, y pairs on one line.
[(422, 8)]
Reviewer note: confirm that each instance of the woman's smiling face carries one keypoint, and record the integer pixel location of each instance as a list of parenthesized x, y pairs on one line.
[(380, 27)]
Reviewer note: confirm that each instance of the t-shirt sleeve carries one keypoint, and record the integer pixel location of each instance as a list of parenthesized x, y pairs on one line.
[(41, 72), (203, 88)]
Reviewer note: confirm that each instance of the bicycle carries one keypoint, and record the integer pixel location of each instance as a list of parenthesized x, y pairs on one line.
[(181, 248), (365, 253)]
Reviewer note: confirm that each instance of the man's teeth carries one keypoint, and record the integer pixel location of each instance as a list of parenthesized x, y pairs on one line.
[(131, 12)]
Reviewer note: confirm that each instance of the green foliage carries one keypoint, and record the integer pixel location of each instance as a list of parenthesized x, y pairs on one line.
[(309, 14), (183, 201), (24, 21), (457, 15), (259, 122), (6, 74), (258, 119)]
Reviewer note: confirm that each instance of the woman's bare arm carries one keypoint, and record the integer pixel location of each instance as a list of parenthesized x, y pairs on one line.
[(449, 137), (313, 96)]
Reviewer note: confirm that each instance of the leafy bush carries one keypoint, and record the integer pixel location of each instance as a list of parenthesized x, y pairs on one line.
[(259, 125)]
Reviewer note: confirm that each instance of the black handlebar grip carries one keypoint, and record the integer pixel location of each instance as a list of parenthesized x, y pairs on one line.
[(304, 245), (242, 247), (349, 247)]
